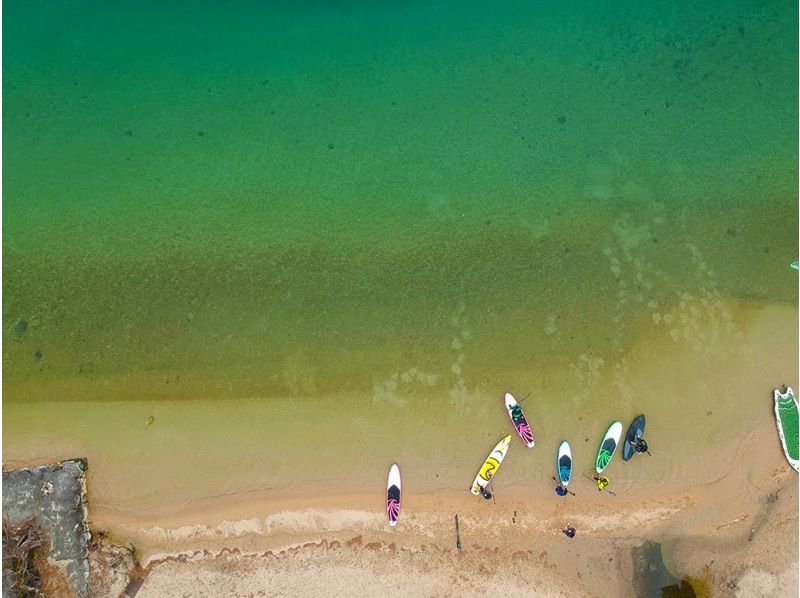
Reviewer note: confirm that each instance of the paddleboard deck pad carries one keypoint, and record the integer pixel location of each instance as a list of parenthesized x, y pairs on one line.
[(608, 446), (786, 415), (564, 463), (635, 432), (518, 419), (393, 495), (490, 466)]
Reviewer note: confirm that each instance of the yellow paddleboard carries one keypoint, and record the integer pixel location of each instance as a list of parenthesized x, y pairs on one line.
[(490, 466)]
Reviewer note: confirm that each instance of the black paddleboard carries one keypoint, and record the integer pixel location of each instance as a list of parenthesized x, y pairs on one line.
[(634, 433)]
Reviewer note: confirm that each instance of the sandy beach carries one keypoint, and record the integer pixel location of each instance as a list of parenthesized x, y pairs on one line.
[(715, 505), (722, 516), (716, 509), (735, 536)]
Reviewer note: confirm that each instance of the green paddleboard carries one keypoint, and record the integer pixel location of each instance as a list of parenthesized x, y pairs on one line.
[(607, 447), (787, 417)]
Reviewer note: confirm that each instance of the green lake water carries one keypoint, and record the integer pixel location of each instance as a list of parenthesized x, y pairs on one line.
[(232, 216)]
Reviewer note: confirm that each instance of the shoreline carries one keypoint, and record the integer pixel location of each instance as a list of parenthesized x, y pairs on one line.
[(720, 536), (261, 521), (313, 546)]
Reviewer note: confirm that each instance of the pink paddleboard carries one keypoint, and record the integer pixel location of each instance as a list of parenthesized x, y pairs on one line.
[(519, 421), (393, 495)]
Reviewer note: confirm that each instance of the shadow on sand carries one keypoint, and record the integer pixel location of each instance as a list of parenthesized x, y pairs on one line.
[(652, 579)]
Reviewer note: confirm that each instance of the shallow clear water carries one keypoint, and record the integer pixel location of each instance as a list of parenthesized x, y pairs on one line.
[(375, 213)]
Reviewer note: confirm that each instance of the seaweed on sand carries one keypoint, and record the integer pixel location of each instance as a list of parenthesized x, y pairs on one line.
[(20, 541)]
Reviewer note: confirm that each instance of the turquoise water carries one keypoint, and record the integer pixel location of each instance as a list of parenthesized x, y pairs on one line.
[(399, 204)]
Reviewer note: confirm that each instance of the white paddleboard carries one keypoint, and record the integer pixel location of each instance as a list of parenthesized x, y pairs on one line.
[(393, 495), (564, 463)]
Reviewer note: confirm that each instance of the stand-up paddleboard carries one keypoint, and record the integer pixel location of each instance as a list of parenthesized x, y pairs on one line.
[(635, 432), (393, 495), (786, 414), (489, 467), (564, 463), (519, 421), (608, 446)]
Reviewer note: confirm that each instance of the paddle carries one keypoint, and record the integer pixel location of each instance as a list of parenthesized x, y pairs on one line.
[(458, 536), (565, 488)]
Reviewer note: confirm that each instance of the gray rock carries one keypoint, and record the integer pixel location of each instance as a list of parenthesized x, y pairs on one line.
[(54, 496)]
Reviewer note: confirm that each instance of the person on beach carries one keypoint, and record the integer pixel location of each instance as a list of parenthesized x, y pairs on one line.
[(639, 444), (560, 489), (568, 531)]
